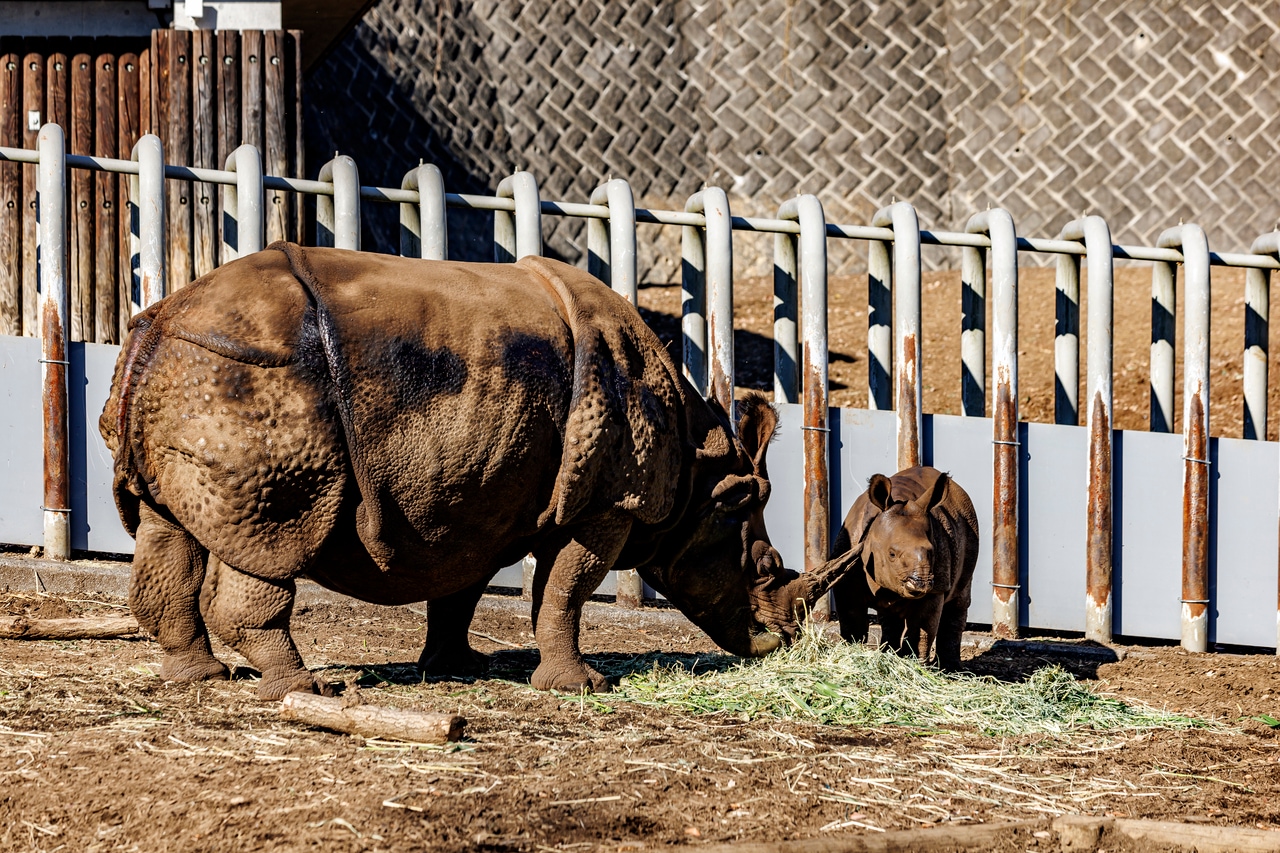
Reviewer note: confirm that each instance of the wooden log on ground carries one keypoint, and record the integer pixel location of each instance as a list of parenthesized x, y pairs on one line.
[(371, 720), (1200, 837), (979, 837), (85, 628)]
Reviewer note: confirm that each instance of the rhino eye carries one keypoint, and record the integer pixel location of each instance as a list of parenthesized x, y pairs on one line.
[(893, 554)]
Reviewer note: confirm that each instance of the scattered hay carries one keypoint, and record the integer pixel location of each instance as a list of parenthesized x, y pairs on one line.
[(822, 680)]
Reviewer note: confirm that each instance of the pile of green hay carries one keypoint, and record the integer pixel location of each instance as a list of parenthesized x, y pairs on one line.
[(822, 680)]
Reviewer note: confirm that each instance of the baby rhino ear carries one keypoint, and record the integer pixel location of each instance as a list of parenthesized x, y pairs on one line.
[(932, 496), (757, 424), (878, 491)]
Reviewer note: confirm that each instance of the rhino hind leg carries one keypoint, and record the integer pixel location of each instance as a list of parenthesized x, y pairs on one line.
[(565, 578), (447, 650), (251, 615), (950, 632), (164, 595)]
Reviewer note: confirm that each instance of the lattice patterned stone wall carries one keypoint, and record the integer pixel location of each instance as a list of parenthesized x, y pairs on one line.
[(1145, 112)]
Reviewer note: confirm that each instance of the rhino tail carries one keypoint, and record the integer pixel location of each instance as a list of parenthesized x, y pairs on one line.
[(123, 433), (369, 518)]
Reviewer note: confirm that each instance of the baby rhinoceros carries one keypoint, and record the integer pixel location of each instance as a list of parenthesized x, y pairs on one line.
[(918, 537)]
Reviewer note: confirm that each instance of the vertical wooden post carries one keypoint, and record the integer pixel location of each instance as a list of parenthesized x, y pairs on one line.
[(105, 232), (204, 150), (11, 118), (131, 82), (175, 116), (293, 120), (228, 107), (81, 257), (146, 91), (251, 86), (33, 116), (275, 155)]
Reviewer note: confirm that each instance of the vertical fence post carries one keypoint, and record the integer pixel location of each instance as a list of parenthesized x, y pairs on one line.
[(713, 247), (147, 225), (693, 306), (905, 286), (1257, 322), (423, 227), (1066, 339), (1096, 235), (1164, 305), (1190, 240), (243, 223), (518, 236), (338, 216), (879, 326), (611, 244), (1005, 571), (973, 332), (51, 189), (787, 275)]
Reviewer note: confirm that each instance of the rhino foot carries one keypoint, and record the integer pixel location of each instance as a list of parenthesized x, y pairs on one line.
[(193, 668), (273, 688), (577, 678), (452, 662)]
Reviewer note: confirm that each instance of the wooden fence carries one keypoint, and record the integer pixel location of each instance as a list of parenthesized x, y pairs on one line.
[(203, 93)]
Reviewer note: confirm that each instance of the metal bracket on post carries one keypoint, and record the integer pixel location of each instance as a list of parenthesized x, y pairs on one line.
[(611, 244), (51, 189), (905, 286), (243, 223), (1096, 235), (424, 231), (338, 216), (518, 236), (1190, 240), (1005, 570), (1257, 322), (147, 225), (707, 255)]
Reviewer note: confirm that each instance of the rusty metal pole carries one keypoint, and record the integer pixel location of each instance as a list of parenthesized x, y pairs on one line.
[(1005, 571), (51, 188), (424, 230), (519, 235), (338, 216), (709, 257), (973, 332), (243, 224), (1096, 235), (147, 225), (1190, 240), (906, 327), (611, 244)]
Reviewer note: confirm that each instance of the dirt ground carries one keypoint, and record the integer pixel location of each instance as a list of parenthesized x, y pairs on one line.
[(97, 753), (940, 346)]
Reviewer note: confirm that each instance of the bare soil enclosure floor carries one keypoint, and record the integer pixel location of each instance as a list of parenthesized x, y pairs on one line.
[(940, 346), (97, 753)]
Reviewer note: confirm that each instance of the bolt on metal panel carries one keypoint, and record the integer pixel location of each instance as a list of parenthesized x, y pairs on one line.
[(423, 227), (51, 188), (147, 228), (338, 215), (973, 332), (811, 245), (1005, 569), (904, 284), (1096, 235), (611, 243), (243, 223), (1257, 321), (707, 254), (1190, 240), (518, 236)]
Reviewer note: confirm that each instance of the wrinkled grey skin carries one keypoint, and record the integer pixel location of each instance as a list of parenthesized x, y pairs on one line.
[(400, 430), (917, 536)]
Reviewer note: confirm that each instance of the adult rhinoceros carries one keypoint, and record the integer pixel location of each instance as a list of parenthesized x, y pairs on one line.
[(399, 430)]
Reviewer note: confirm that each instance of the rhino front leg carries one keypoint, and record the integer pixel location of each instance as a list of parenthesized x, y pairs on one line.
[(564, 581), (448, 652), (955, 615), (168, 569), (251, 615)]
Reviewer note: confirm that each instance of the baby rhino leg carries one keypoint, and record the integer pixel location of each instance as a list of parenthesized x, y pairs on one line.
[(251, 615), (168, 569)]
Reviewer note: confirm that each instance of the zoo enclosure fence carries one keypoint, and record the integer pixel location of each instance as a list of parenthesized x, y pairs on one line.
[(1072, 515)]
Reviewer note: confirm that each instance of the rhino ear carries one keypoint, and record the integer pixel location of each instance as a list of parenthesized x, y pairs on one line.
[(621, 439), (933, 495), (757, 424), (879, 490)]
